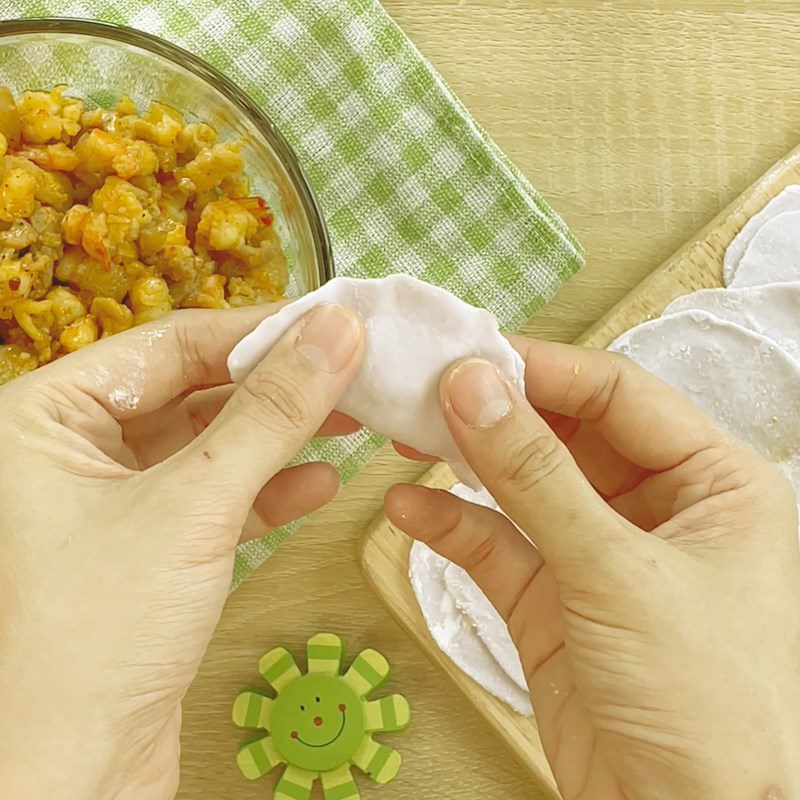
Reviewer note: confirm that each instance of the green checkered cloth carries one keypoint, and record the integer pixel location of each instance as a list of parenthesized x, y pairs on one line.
[(407, 180)]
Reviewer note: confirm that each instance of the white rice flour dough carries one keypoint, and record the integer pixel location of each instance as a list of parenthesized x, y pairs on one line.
[(471, 601), (743, 379), (787, 200), (464, 623), (414, 332), (488, 624), (773, 255), (455, 632), (478, 496), (772, 310)]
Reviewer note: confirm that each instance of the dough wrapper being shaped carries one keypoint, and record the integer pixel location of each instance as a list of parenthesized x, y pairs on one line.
[(414, 332)]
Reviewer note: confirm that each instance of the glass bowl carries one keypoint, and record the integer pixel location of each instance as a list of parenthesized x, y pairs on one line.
[(99, 62)]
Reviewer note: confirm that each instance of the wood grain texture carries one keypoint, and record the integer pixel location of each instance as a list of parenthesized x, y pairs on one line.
[(385, 549), (638, 121)]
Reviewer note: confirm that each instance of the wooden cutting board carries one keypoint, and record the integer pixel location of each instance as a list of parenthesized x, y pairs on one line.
[(384, 553)]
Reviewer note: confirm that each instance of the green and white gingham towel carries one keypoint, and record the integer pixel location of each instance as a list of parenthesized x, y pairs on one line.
[(407, 180)]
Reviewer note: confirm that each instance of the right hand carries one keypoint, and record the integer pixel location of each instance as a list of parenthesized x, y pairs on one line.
[(655, 608)]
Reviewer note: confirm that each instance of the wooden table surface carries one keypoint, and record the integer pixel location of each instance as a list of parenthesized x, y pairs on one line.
[(638, 120)]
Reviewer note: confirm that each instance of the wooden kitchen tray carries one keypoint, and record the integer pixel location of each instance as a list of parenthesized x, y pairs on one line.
[(384, 554)]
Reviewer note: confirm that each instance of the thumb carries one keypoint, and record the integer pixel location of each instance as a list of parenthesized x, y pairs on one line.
[(276, 410), (528, 470)]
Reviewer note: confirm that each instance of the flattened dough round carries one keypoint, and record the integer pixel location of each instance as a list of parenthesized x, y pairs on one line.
[(454, 632), (479, 496), (744, 380), (773, 255), (487, 623), (471, 601), (414, 332), (787, 200), (772, 310), (461, 595)]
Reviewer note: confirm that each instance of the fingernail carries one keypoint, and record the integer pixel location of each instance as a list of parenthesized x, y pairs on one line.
[(478, 394), (329, 338)]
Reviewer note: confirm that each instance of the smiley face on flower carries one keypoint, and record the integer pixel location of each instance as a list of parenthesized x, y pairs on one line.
[(321, 722), (318, 722)]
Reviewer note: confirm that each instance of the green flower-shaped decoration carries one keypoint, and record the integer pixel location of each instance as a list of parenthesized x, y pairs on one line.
[(320, 723)]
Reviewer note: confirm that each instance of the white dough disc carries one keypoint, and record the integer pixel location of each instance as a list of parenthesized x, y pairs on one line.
[(787, 200), (773, 255), (471, 600), (488, 624), (744, 380), (414, 332), (772, 310), (455, 633), (474, 605), (479, 496)]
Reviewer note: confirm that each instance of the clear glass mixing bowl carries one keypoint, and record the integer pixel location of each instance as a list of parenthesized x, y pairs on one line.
[(100, 62)]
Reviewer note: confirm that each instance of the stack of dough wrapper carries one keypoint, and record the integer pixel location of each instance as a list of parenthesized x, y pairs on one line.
[(733, 351)]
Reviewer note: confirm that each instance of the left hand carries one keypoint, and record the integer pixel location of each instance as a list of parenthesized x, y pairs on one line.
[(127, 490)]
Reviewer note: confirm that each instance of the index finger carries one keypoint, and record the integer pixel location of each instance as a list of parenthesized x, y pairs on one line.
[(641, 417), (140, 370)]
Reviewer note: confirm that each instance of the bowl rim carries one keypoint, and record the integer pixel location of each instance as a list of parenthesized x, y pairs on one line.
[(184, 58)]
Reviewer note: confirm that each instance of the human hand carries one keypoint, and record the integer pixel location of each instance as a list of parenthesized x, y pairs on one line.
[(126, 494), (656, 611)]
